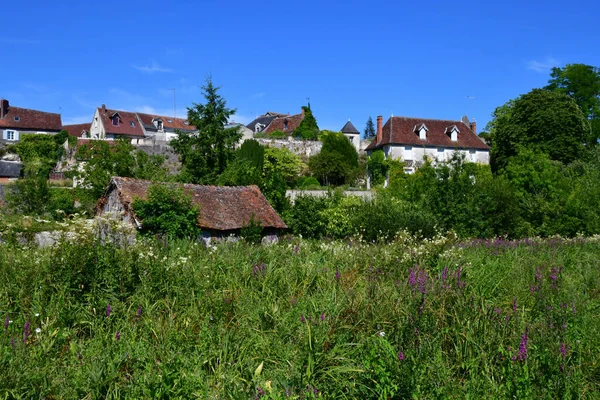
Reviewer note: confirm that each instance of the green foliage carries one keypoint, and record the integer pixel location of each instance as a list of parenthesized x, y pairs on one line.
[(31, 194), (337, 163), (369, 129), (282, 161), (308, 128), (168, 211), (309, 183), (582, 83), (253, 152), (252, 232), (43, 150), (301, 319), (377, 167), (205, 155), (550, 122)]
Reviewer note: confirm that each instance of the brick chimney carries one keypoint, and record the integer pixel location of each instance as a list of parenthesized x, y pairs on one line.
[(3, 107), (103, 108), (379, 128), (474, 126)]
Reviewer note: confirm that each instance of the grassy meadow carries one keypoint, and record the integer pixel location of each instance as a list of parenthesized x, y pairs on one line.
[(302, 319)]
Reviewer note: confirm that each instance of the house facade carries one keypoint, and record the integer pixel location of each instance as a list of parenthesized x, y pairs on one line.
[(271, 122), (16, 121), (223, 210), (414, 139), (353, 135), (141, 128)]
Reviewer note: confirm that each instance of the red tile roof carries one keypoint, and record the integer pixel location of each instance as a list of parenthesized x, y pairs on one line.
[(176, 123), (125, 127), (401, 131), (31, 120), (222, 208), (278, 124), (77, 129)]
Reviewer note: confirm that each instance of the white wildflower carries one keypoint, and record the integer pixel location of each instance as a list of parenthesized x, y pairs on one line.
[(382, 333), (38, 330)]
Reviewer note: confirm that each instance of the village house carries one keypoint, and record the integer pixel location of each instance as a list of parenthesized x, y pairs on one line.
[(78, 130), (414, 139), (16, 121), (353, 135), (140, 128), (224, 210), (271, 122)]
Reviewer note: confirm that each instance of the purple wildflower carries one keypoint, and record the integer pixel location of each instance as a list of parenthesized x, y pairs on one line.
[(323, 317), (118, 335), (412, 277), (12, 342), (6, 322), (302, 319), (26, 332), (338, 275), (514, 305), (522, 356), (108, 310), (400, 356), (259, 392), (498, 310), (444, 276), (563, 349), (259, 269), (139, 312)]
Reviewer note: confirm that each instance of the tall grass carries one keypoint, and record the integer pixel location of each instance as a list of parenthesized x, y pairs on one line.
[(301, 320)]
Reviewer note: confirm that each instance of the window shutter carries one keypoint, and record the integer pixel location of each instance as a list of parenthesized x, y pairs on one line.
[(16, 135)]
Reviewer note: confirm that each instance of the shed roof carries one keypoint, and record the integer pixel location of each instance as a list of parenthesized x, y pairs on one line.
[(222, 208)]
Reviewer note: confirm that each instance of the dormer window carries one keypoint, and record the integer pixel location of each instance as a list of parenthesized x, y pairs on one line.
[(159, 125), (115, 120), (452, 131), (132, 124), (169, 121), (17, 119), (186, 122), (285, 125), (421, 130)]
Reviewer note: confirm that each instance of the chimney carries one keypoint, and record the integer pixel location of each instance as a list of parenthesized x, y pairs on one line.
[(379, 128), (103, 108), (3, 108), (302, 108), (474, 126)]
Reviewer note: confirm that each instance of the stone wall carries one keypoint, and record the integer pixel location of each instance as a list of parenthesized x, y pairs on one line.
[(293, 194), (303, 148)]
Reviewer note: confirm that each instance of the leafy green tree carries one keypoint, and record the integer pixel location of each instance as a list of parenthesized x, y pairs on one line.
[(30, 195), (288, 164), (308, 128), (548, 121), (168, 210), (582, 83), (205, 155), (378, 167), (369, 129), (337, 163), (253, 152)]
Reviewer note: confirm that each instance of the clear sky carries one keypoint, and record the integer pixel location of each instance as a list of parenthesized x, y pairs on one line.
[(433, 59)]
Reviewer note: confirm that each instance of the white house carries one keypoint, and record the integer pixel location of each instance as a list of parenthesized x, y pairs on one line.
[(413, 139), (15, 121), (353, 135)]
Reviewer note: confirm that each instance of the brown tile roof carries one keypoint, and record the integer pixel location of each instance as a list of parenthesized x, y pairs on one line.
[(125, 127), (401, 130), (32, 120), (76, 130), (176, 123), (222, 208), (278, 124)]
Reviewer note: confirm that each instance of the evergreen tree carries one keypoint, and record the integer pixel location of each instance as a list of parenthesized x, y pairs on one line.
[(205, 154), (369, 129), (308, 128)]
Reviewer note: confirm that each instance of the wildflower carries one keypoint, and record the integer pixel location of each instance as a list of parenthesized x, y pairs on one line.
[(323, 317), (400, 356), (38, 330), (37, 314), (259, 393), (12, 342), (382, 333), (412, 277), (6, 322), (302, 319), (514, 304), (26, 332), (139, 311), (337, 275), (563, 349), (522, 356), (108, 310), (118, 335)]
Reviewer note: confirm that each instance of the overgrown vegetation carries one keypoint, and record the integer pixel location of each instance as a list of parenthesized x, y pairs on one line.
[(402, 319)]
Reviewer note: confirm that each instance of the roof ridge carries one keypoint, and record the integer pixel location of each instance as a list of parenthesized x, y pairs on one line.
[(427, 119)]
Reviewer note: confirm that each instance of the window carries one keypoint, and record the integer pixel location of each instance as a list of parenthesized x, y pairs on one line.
[(169, 121), (285, 125), (132, 124), (17, 119), (10, 135), (159, 125), (115, 120), (95, 122)]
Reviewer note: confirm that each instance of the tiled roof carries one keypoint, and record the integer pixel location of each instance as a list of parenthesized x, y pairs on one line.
[(77, 129), (32, 120), (169, 123), (350, 128), (129, 125), (401, 131), (278, 124), (221, 207), (263, 120)]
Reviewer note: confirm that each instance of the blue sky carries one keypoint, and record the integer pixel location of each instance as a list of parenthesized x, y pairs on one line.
[(433, 59)]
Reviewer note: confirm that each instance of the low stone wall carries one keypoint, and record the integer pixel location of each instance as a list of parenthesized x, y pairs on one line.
[(293, 194), (303, 148)]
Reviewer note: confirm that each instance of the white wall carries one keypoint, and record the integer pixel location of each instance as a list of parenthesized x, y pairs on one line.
[(97, 129), (417, 153)]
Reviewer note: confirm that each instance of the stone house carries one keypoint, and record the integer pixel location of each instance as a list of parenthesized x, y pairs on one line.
[(15, 121), (414, 139), (271, 122), (224, 210)]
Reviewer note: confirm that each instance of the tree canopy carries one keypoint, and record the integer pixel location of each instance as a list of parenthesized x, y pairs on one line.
[(369, 129), (337, 163), (205, 155), (581, 82), (308, 128), (547, 121)]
